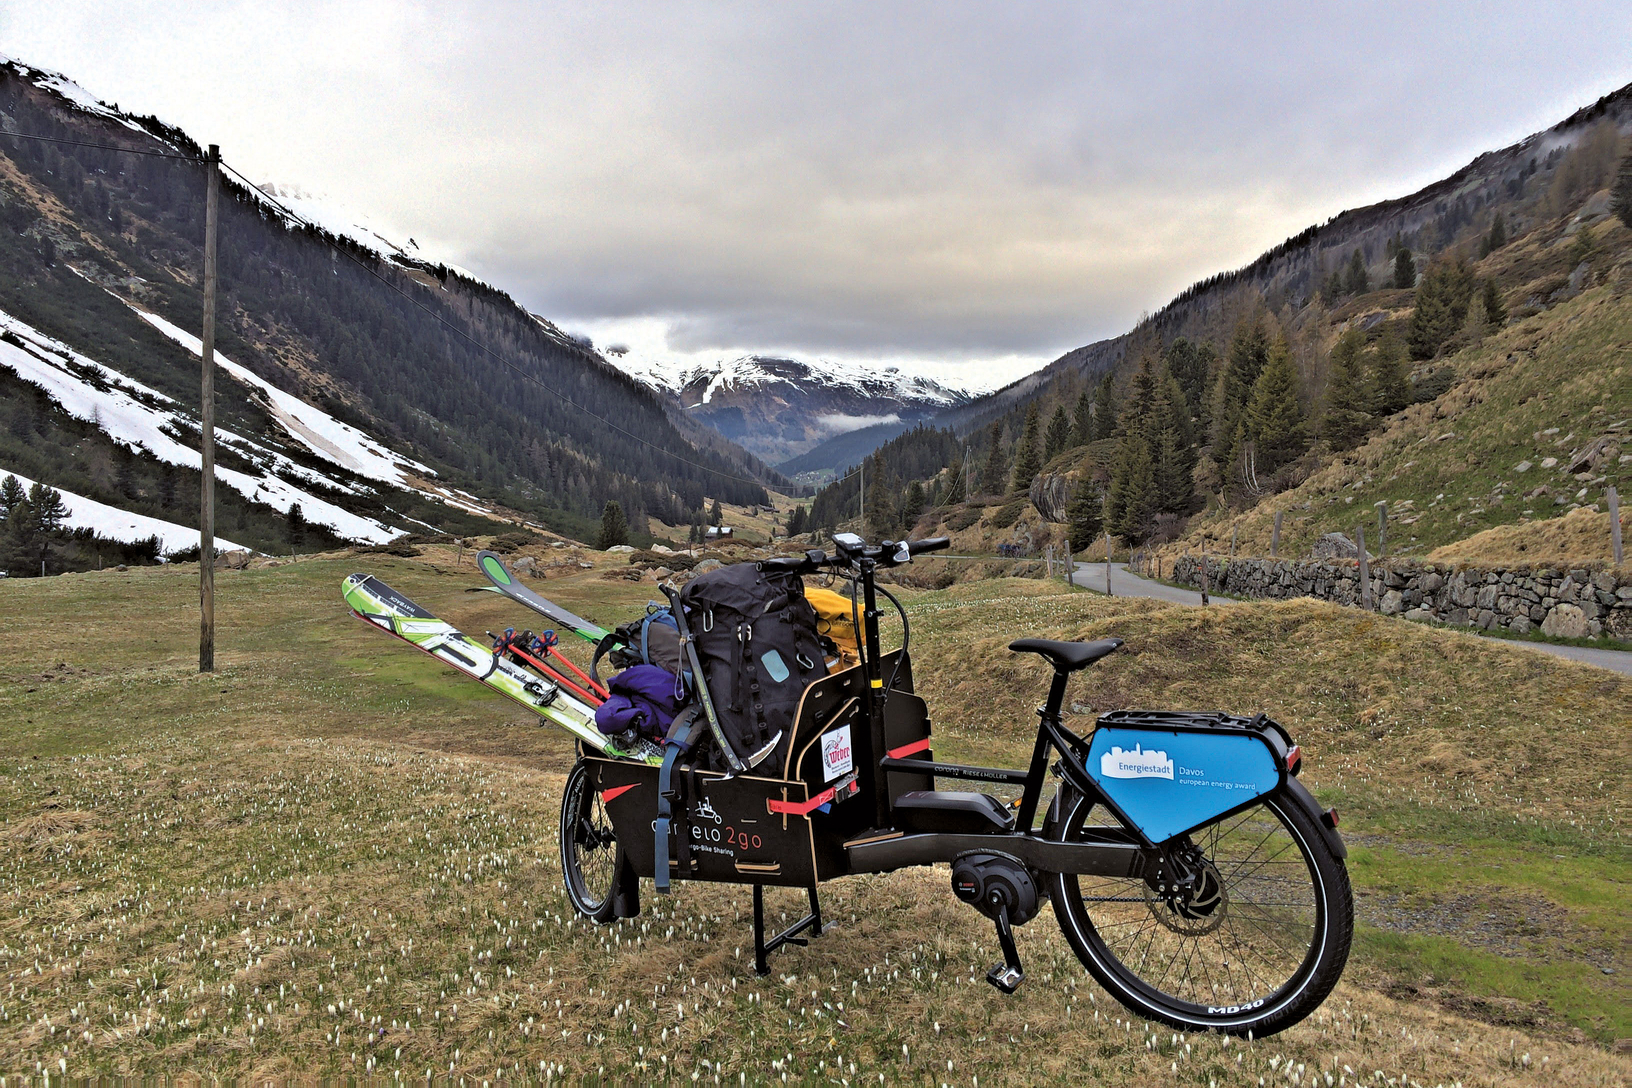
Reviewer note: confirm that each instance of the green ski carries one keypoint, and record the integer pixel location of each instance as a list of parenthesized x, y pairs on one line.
[(505, 582), (374, 601)]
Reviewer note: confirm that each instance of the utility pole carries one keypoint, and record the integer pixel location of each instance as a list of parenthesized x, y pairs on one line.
[(206, 497)]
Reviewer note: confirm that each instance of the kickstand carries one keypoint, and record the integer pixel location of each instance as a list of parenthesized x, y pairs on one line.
[(763, 948), (1008, 975)]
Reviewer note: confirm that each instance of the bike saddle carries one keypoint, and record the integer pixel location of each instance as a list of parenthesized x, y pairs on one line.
[(1067, 656)]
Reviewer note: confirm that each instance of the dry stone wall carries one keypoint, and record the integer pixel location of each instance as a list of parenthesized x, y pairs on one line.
[(1568, 603)]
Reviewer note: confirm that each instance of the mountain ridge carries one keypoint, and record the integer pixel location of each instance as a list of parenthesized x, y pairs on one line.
[(495, 403)]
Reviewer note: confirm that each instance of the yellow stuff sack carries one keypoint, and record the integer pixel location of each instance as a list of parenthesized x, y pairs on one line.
[(835, 620)]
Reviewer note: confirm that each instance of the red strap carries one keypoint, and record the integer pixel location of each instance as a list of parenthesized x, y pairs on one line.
[(795, 808), (909, 749)]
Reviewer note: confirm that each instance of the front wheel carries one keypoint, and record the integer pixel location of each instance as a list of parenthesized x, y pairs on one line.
[(1242, 926), (590, 855)]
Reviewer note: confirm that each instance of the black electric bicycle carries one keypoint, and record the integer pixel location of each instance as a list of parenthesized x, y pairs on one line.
[(1193, 874)]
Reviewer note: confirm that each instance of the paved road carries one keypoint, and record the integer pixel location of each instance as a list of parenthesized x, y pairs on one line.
[(1125, 584)]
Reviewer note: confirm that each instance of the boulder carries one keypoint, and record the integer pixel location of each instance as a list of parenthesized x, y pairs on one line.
[(1050, 493), (1565, 621), (1335, 546), (621, 549), (1393, 603), (707, 565), (233, 560)]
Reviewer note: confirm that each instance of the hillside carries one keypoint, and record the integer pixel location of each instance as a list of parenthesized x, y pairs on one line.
[(1536, 423), (335, 856), (1491, 305), (461, 404)]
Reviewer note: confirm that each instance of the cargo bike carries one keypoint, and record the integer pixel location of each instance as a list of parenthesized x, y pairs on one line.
[(1190, 870)]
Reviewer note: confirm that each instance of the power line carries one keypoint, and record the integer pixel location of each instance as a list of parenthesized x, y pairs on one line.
[(102, 147), (495, 356), (438, 318)]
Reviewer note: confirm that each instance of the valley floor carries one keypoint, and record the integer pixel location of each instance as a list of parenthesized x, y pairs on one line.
[(332, 858)]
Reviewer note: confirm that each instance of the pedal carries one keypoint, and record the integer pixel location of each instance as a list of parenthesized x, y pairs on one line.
[(1006, 977)]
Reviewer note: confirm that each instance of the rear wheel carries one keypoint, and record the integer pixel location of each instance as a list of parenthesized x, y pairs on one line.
[(590, 855), (1241, 926)]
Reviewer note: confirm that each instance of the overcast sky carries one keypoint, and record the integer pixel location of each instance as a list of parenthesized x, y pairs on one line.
[(970, 188)]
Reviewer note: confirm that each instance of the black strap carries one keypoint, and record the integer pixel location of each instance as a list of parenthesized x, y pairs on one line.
[(682, 736), (609, 642)]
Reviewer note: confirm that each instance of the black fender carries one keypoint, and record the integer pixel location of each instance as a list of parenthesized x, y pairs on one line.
[(1300, 793)]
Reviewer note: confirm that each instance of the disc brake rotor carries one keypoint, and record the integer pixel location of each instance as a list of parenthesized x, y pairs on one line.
[(1188, 896)]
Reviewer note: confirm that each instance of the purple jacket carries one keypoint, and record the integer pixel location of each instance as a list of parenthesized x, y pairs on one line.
[(642, 699)]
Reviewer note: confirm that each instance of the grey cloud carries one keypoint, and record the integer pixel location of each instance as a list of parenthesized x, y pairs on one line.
[(937, 179)]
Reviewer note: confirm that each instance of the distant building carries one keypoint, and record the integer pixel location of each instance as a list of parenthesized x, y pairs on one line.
[(717, 532)]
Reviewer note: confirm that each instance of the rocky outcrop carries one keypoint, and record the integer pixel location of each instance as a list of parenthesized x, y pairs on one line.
[(1051, 494), (1573, 603)]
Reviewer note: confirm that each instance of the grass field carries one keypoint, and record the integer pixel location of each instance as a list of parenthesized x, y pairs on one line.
[(334, 857)]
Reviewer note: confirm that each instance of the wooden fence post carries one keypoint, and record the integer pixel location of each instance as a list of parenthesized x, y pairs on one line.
[(1108, 592), (1614, 525), (1204, 572), (1275, 537), (1234, 532), (1365, 567)]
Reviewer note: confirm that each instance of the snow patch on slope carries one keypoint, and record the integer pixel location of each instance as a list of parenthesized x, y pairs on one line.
[(115, 524), (312, 427), (142, 418)]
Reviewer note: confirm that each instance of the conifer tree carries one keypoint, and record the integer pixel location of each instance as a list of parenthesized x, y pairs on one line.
[(1249, 351), (1190, 364), (1344, 414), (1274, 418), (1085, 517), (1497, 237), (1442, 306), (715, 514), (1082, 423), (1355, 279), (1057, 439), (1027, 459), (798, 521), (1620, 194), (994, 473), (912, 508), (614, 526), (1495, 311), (882, 515), (295, 525), (49, 510), (1405, 270), (1104, 409), (955, 492), (11, 495), (1173, 476), (1133, 497), (1389, 387)]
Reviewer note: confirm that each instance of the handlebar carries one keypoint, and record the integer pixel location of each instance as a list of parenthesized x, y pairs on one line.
[(853, 549)]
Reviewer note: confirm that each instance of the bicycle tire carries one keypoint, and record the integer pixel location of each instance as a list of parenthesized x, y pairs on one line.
[(1228, 979), (591, 856)]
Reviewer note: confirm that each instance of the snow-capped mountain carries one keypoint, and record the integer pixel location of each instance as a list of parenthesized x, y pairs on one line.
[(777, 407)]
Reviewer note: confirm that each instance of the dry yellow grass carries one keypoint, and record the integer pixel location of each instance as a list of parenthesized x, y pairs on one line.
[(334, 858), (1581, 536)]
